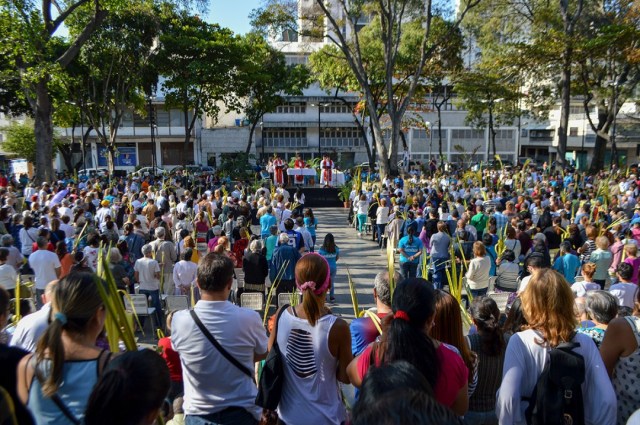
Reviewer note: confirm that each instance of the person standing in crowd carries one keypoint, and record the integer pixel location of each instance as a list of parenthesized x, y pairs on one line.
[(216, 390), (580, 289), (363, 330), (255, 267), (406, 337), (311, 223), (283, 264), (266, 221), (362, 210), (567, 263), (31, 327), (147, 274), (602, 258), (478, 272), (602, 308), (184, 274), (46, 267), (318, 350), (67, 363), (439, 249), (165, 253), (330, 252), (28, 235), (620, 350), (410, 249), (8, 275), (489, 345), (172, 359), (382, 218), (625, 291), (547, 304)]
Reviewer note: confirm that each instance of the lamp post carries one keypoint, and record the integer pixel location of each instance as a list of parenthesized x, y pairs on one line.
[(428, 125), (614, 147), (152, 125), (262, 136), (320, 106)]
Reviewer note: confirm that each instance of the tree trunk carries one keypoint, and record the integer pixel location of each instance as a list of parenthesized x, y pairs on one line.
[(43, 127), (111, 159), (565, 99), (185, 148), (600, 149), (251, 131)]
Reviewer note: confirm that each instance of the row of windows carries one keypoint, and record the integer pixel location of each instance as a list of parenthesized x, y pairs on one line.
[(296, 142), (292, 108), (467, 134), (333, 142), (280, 133), (337, 108), (344, 133), (579, 110)]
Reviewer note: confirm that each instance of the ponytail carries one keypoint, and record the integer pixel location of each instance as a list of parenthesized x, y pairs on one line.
[(51, 343), (486, 316), (310, 306)]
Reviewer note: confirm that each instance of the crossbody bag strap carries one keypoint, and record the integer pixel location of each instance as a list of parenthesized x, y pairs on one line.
[(219, 347)]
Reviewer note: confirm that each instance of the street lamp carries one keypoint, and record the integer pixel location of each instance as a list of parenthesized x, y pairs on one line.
[(81, 108), (152, 126), (320, 106), (263, 141)]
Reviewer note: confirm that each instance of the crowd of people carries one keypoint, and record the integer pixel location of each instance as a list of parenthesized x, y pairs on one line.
[(563, 246)]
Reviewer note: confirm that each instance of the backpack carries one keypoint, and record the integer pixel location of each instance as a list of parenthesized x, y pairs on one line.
[(557, 396)]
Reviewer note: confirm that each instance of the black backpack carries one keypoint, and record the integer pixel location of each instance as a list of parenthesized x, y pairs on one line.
[(557, 396)]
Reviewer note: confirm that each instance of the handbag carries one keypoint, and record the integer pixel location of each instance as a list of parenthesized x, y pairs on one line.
[(272, 377)]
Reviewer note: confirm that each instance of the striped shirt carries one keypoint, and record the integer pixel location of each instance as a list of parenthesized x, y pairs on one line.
[(489, 370)]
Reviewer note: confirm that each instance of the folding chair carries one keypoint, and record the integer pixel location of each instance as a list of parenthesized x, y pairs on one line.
[(252, 300), (501, 299), (177, 302), (285, 298), (139, 306)]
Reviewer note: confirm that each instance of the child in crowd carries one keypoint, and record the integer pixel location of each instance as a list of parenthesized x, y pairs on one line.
[(631, 258)]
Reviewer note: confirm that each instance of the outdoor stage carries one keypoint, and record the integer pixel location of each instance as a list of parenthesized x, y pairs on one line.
[(318, 197)]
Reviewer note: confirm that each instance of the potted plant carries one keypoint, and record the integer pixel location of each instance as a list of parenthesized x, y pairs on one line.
[(345, 192)]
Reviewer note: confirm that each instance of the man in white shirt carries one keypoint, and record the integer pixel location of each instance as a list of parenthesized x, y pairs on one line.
[(8, 275), (213, 386), (64, 209), (147, 273), (184, 273), (46, 267), (31, 327), (624, 290)]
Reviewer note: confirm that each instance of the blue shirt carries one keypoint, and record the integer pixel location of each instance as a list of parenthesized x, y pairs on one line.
[(311, 227), (331, 258), (410, 249), (282, 254), (568, 265), (266, 221)]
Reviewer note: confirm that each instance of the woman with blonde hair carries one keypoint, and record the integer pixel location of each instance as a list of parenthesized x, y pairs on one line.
[(317, 349), (478, 271), (67, 363), (547, 305), (602, 258)]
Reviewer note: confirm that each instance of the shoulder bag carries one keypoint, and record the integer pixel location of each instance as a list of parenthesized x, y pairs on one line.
[(272, 377)]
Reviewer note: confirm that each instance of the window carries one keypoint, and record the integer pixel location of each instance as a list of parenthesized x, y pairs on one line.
[(573, 131), (285, 137), (291, 108), (579, 110), (468, 134), (289, 35), (340, 137), (338, 108), (541, 135)]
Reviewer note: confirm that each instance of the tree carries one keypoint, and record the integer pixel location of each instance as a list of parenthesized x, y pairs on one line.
[(389, 20), (200, 64), (114, 69), (609, 69), (21, 140), (483, 92), (264, 77), (29, 31)]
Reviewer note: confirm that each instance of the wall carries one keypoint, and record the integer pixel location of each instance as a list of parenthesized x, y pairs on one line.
[(215, 141)]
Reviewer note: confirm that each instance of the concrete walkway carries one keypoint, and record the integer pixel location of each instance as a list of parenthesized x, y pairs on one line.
[(361, 256)]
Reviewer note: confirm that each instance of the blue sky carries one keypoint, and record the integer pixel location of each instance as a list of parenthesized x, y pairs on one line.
[(233, 14)]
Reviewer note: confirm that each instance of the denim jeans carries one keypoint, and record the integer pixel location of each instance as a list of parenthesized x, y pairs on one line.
[(362, 222), (381, 228), (333, 284), (229, 416), (408, 269), (481, 418), (155, 302), (475, 293), (439, 275)]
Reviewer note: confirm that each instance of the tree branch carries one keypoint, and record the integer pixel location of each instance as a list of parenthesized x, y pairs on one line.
[(74, 49)]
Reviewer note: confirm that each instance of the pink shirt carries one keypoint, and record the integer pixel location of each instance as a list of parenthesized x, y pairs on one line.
[(453, 376)]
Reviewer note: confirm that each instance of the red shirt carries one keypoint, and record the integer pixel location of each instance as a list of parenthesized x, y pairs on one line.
[(453, 376), (4, 182), (172, 358)]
